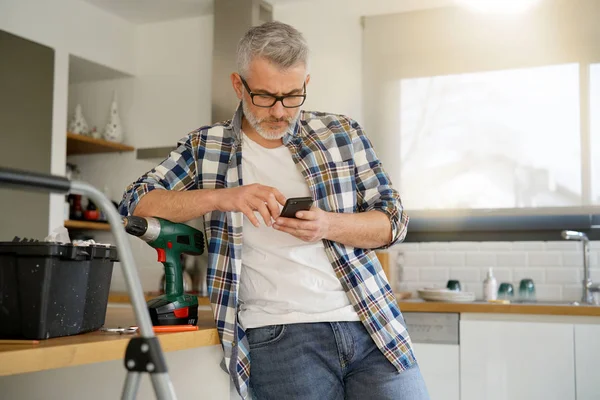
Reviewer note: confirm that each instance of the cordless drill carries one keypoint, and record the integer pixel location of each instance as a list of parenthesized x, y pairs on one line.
[(170, 241)]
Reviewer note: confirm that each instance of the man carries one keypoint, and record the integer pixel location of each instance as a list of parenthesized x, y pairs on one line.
[(302, 306)]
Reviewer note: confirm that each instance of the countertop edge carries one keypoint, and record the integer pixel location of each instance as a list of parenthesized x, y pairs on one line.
[(528, 309), (32, 358)]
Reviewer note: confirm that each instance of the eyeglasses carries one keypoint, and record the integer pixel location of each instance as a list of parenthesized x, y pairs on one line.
[(267, 100)]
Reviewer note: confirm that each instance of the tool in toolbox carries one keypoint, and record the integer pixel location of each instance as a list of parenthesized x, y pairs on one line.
[(143, 353), (170, 240)]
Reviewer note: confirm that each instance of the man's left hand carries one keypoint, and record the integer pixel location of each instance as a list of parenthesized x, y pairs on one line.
[(309, 226)]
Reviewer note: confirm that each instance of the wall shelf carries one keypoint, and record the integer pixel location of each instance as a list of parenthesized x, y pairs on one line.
[(80, 144), (98, 226)]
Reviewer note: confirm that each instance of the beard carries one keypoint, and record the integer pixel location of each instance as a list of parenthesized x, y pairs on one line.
[(266, 133)]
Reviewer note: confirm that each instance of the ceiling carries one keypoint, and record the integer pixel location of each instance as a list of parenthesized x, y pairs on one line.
[(148, 11)]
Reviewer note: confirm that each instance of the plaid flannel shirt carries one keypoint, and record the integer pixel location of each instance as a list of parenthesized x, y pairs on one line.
[(343, 175)]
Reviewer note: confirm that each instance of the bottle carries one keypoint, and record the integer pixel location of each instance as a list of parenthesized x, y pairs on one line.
[(490, 286)]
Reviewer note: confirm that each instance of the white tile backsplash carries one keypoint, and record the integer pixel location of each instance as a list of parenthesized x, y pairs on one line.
[(434, 274), (477, 259), (465, 274), (555, 267), (563, 275), (545, 259), (512, 259), (449, 259)]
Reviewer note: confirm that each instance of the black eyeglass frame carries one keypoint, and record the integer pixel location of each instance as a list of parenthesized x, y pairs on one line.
[(275, 98)]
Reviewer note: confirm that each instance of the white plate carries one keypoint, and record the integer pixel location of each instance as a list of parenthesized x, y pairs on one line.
[(432, 294)]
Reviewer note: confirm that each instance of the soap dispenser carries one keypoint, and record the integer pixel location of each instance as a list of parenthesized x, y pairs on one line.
[(490, 286)]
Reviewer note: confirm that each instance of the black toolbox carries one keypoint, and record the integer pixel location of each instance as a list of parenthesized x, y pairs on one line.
[(51, 289)]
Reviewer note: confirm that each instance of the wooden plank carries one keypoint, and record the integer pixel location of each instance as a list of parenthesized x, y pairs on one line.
[(81, 144), (99, 226), (98, 346)]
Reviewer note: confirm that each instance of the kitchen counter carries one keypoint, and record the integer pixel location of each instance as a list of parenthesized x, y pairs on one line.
[(540, 308), (98, 346)]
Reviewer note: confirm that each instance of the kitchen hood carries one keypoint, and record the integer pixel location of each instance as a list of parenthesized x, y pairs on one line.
[(232, 18)]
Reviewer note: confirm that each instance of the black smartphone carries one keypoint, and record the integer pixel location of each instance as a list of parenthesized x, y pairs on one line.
[(295, 204)]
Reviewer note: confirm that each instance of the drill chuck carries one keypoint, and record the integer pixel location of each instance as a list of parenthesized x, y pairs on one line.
[(147, 229)]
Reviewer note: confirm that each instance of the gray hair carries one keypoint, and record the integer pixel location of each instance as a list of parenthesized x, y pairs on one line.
[(281, 44)]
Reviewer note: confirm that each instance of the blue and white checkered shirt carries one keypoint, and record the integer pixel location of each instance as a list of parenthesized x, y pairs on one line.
[(343, 175)]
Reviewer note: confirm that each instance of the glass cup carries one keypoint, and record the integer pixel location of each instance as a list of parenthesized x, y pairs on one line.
[(453, 285), (506, 291), (526, 290)]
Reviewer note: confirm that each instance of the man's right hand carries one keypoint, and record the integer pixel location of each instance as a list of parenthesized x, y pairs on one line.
[(250, 198)]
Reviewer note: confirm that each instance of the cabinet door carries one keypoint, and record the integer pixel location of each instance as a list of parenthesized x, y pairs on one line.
[(439, 366), (587, 361), (516, 360)]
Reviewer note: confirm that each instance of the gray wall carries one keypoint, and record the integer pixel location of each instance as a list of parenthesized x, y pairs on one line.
[(26, 87)]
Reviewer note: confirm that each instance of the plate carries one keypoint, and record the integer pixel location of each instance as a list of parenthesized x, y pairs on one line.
[(434, 294)]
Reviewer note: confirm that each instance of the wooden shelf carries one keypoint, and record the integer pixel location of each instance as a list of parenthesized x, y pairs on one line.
[(99, 226), (80, 144)]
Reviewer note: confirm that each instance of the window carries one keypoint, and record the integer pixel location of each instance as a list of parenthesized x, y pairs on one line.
[(498, 139), (595, 130)]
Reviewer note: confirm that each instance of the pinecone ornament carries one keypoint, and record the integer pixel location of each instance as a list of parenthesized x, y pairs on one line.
[(113, 130), (78, 123)]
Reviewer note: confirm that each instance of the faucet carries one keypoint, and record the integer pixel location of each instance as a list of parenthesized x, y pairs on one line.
[(588, 287)]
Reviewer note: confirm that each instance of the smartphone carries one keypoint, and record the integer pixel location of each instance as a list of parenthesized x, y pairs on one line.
[(295, 204)]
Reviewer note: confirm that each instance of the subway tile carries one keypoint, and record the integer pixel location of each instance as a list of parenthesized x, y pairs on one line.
[(537, 274), (501, 274), (595, 244), (573, 259), (481, 259), (548, 292), (476, 288), (563, 275), (544, 259), (434, 246), (436, 275), (593, 258), (529, 246), (565, 245), (572, 293), (416, 259), (496, 245), (405, 247), (409, 274), (465, 274), (464, 246), (449, 259), (512, 259), (594, 274)]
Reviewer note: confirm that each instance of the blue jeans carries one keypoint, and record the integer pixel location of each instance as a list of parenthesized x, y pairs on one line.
[(325, 361)]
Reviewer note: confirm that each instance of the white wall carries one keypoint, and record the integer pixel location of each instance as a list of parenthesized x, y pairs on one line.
[(168, 97), (334, 33), (69, 27)]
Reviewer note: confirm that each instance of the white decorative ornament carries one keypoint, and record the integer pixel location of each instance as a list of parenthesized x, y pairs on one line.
[(78, 123), (113, 130)]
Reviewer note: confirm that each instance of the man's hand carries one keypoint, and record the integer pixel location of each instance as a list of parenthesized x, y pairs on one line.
[(250, 198), (368, 230), (309, 226)]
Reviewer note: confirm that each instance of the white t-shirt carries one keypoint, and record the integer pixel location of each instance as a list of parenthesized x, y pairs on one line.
[(284, 280)]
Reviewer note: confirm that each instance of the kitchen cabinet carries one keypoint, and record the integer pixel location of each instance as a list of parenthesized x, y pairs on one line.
[(587, 361), (517, 360), (440, 367)]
